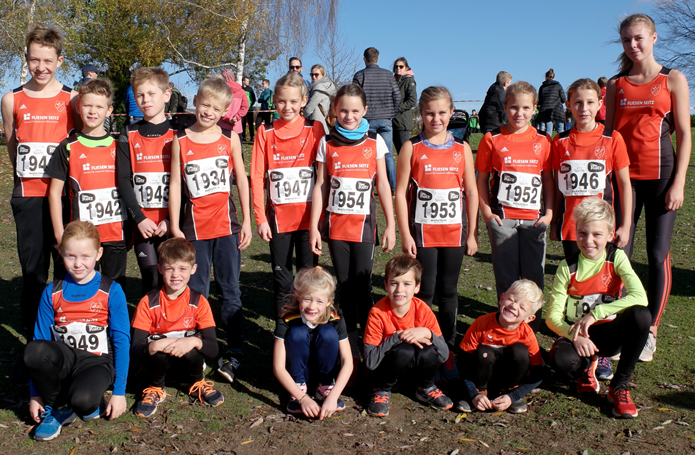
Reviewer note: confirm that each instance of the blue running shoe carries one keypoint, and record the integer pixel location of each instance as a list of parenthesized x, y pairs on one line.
[(52, 421), (604, 370), (97, 414)]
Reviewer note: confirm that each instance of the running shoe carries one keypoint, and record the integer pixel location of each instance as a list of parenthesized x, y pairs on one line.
[(518, 407), (604, 369), (323, 391), (587, 382), (151, 397), (97, 414), (229, 365), (434, 397), (294, 406), (622, 403), (379, 406), (649, 349), (205, 393), (464, 406), (52, 420), (450, 371)]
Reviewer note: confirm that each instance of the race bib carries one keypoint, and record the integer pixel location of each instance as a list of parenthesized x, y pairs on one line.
[(152, 189), (291, 184), (349, 196), (520, 190), (79, 335), (436, 206), (32, 159), (101, 206), (207, 176), (582, 177), (578, 307)]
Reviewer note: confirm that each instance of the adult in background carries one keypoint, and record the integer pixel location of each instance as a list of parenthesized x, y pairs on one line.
[(601, 114), (320, 92), (266, 100), (173, 104), (248, 118), (403, 122), (551, 98), (492, 113), (295, 66), (383, 100), (89, 72), (134, 114), (239, 106)]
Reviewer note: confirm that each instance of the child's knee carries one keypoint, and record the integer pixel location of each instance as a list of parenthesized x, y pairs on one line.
[(36, 353), (519, 353), (485, 355), (327, 334), (298, 334)]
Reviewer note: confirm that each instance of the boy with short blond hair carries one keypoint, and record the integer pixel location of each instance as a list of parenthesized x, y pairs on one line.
[(36, 117), (500, 353), (205, 159), (92, 191), (173, 329), (144, 168), (588, 314), (402, 338)]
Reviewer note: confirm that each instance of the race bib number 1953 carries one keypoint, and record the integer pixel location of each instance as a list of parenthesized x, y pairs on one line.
[(438, 206)]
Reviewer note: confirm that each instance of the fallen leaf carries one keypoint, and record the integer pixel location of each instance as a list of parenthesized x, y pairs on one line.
[(666, 422), (28, 430), (680, 422), (670, 325), (247, 442), (475, 440), (454, 452), (459, 417), (424, 439), (257, 422), (348, 435), (498, 413), (484, 445), (658, 428), (663, 409), (73, 451)]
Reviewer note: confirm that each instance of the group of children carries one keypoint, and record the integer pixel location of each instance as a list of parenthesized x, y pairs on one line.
[(306, 188)]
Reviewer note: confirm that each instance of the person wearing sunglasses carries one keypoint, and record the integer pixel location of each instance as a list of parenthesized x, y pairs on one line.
[(403, 121), (295, 67), (320, 92)]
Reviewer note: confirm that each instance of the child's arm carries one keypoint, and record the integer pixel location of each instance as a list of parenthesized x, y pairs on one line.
[(55, 206), (259, 168), (680, 97), (119, 332), (484, 198), (7, 106), (419, 336), (309, 406), (402, 182), (331, 402), (242, 184), (383, 188), (622, 234), (470, 187), (555, 318), (548, 198), (318, 204), (175, 189)]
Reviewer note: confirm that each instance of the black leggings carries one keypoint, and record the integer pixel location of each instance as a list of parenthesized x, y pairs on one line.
[(406, 359), (281, 248), (353, 262), (659, 222), (55, 367), (146, 254), (156, 366), (627, 334), (496, 369), (441, 268)]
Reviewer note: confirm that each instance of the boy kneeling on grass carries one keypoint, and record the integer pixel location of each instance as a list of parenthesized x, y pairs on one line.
[(402, 338), (589, 316), (173, 329), (500, 354)]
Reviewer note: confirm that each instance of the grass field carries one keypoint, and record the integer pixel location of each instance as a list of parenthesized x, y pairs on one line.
[(252, 419)]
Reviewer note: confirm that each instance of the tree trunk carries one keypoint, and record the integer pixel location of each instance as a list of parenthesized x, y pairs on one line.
[(30, 20), (242, 51)]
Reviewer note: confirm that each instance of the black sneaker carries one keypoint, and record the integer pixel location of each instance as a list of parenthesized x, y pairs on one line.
[(204, 392), (464, 406), (379, 406), (229, 365), (434, 398), (323, 391), (518, 407)]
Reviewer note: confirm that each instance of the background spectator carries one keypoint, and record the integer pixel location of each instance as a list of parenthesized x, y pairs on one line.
[(320, 92), (551, 99), (266, 98), (403, 121), (89, 72), (134, 114), (239, 106), (492, 113), (248, 118), (601, 114)]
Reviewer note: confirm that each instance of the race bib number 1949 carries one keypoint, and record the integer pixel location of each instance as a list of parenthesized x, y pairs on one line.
[(79, 335)]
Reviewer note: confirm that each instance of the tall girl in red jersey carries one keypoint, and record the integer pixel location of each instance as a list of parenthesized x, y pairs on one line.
[(283, 162), (434, 171), (351, 160), (646, 102)]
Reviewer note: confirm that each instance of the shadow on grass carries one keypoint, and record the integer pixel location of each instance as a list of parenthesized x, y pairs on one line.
[(680, 399)]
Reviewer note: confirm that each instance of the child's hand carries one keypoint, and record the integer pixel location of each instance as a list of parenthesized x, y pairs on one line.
[(622, 235), (182, 346), (245, 235), (545, 219), (58, 234), (471, 245), (263, 231), (147, 228), (328, 407), (315, 241), (159, 345), (162, 228), (116, 407), (389, 239), (178, 233), (581, 327), (36, 408), (585, 347), (408, 245), (309, 407), (674, 197), (482, 403), (419, 336), (491, 217), (502, 402)]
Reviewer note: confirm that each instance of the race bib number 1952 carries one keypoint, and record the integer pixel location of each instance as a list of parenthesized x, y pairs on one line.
[(520, 190)]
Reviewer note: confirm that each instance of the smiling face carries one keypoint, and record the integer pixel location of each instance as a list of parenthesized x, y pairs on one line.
[(514, 309), (592, 238), (313, 305), (401, 290), (519, 108), (43, 62), (638, 41), (176, 276), (436, 115), (289, 102), (93, 110), (295, 66), (151, 99), (80, 256), (350, 110), (584, 104), (208, 110), (400, 67)]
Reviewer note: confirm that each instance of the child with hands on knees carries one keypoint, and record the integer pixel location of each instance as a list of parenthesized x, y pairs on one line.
[(436, 196), (81, 340), (310, 327), (588, 314), (500, 353)]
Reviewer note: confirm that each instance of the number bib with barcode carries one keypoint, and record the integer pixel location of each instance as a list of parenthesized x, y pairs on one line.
[(32, 159), (101, 206), (438, 206), (520, 190), (582, 177), (152, 189), (207, 176), (87, 337), (291, 185), (349, 196)]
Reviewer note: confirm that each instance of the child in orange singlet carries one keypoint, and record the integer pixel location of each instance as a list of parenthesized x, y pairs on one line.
[(350, 161), (282, 168), (518, 157), (646, 102), (91, 177), (434, 171), (203, 159), (36, 117)]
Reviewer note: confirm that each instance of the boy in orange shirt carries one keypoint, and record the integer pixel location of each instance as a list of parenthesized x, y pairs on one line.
[(173, 328), (402, 338)]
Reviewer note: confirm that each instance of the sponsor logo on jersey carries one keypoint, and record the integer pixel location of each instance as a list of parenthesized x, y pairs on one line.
[(221, 163), (221, 149), (85, 167), (276, 176), (537, 148), (337, 165), (362, 186), (595, 167), (190, 152), (27, 116), (62, 319), (424, 157), (424, 195), (623, 101), (60, 106), (51, 149), (656, 89), (572, 288), (87, 197), (600, 152), (567, 153), (457, 156), (22, 107), (565, 168), (367, 152), (606, 279), (139, 179), (507, 160), (335, 184), (113, 154), (536, 183), (142, 255), (454, 196), (23, 149), (276, 157), (508, 178), (428, 167), (192, 169), (306, 174), (115, 194), (83, 156), (620, 92), (138, 156)]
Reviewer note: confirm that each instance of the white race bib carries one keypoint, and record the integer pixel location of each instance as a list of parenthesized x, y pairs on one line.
[(207, 176), (152, 189), (520, 190), (582, 177), (349, 196), (291, 184), (578, 307), (437, 206), (101, 206), (33, 157), (87, 337)]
